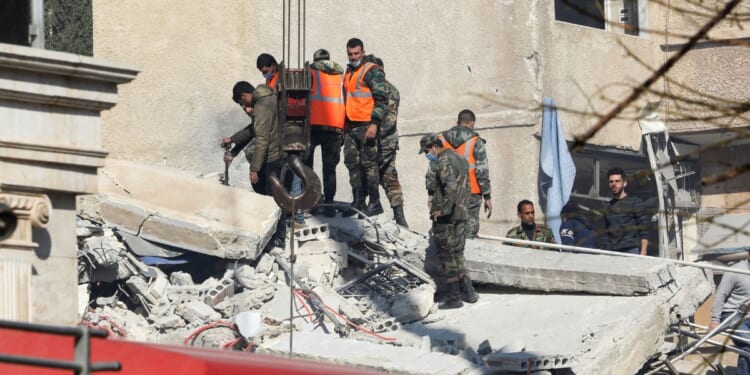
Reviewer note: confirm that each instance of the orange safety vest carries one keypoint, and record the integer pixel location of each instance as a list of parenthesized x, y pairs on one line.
[(467, 151), (326, 100), (359, 101), (272, 82)]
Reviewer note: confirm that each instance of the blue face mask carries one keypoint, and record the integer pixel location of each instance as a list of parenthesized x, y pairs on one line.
[(355, 64), (268, 75), (431, 157)]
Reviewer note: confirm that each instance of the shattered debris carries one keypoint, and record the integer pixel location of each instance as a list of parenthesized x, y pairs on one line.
[(364, 294)]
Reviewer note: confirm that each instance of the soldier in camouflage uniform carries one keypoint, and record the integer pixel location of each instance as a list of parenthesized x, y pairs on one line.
[(467, 143), (366, 99), (387, 148), (448, 213), (529, 230)]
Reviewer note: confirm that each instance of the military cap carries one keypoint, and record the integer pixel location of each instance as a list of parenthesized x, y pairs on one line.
[(427, 141), (321, 54)]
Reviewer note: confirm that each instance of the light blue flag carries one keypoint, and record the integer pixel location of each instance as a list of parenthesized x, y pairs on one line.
[(557, 170)]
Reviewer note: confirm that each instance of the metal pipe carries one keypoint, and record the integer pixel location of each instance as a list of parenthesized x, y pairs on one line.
[(608, 252), (40, 362), (299, 32), (76, 331), (715, 343)]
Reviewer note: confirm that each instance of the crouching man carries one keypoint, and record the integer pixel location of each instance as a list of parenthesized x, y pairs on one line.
[(450, 193)]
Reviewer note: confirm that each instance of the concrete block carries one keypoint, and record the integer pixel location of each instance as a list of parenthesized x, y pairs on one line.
[(414, 305), (491, 262), (197, 312), (525, 361), (265, 264), (224, 289), (312, 232), (386, 358), (175, 208)]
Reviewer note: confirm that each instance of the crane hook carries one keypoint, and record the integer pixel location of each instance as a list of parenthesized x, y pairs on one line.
[(310, 187)]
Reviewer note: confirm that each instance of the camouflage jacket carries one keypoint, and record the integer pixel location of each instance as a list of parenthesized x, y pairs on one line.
[(375, 80), (542, 233), (388, 126), (452, 193), (459, 135), (266, 127)]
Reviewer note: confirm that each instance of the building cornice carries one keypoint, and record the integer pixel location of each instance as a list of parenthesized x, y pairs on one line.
[(63, 64)]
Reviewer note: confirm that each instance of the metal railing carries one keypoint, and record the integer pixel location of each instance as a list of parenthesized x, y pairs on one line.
[(81, 363)]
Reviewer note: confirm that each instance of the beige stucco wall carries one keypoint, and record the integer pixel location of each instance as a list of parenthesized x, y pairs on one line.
[(499, 58)]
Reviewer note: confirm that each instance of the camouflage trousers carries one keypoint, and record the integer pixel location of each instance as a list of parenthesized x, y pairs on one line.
[(474, 206), (388, 172), (450, 239), (361, 161)]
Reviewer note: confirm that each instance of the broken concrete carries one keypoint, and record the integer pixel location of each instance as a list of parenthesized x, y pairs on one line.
[(175, 208), (197, 312), (369, 277), (414, 305), (493, 263), (403, 360)]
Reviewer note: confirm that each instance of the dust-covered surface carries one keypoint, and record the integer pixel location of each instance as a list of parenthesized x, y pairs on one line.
[(365, 291)]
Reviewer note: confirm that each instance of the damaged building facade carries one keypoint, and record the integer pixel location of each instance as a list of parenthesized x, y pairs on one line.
[(513, 54)]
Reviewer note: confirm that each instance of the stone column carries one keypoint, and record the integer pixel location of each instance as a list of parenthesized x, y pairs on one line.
[(50, 151)]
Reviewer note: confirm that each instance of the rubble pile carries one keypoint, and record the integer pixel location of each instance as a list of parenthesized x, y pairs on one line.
[(146, 291), (362, 292)]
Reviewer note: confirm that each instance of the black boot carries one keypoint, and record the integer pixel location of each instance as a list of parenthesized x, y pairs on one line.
[(398, 215), (468, 294), (454, 297), (358, 203), (374, 207), (329, 211)]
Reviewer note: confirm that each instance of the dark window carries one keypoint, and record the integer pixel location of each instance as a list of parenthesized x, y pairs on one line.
[(581, 12), (15, 17)]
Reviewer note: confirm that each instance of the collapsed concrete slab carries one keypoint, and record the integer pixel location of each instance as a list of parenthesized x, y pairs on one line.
[(401, 360), (177, 209), (493, 263)]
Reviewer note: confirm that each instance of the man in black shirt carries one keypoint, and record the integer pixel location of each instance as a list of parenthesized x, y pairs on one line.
[(625, 220)]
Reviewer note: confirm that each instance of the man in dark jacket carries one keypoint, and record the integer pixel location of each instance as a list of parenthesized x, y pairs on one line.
[(575, 229), (625, 220), (245, 137)]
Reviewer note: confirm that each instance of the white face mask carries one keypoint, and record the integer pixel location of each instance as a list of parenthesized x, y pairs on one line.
[(356, 63)]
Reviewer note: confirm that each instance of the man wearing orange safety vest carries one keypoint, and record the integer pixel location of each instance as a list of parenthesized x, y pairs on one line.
[(366, 101), (462, 139), (327, 116)]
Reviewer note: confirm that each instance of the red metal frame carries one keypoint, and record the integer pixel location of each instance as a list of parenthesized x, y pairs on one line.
[(145, 359)]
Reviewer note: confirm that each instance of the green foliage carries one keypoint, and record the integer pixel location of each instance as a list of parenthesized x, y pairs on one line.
[(69, 26)]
